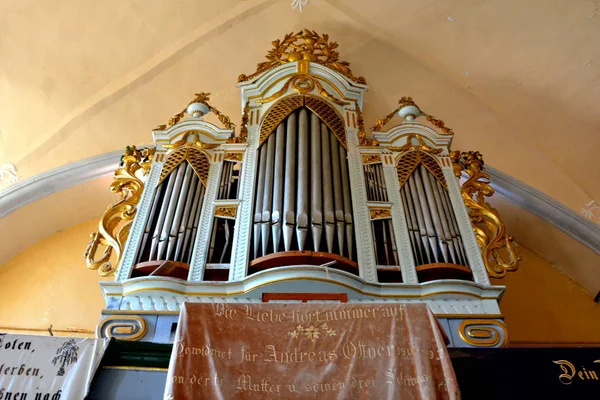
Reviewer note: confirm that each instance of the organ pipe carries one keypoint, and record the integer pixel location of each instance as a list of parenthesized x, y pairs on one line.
[(347, 201), (327, 189), (268, 195), (289, 198), (303, 189), (316, 179), (260, 188), (337, 190), (278, 185)]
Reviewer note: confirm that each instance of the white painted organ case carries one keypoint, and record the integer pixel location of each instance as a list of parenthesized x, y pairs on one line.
[(300, 199)]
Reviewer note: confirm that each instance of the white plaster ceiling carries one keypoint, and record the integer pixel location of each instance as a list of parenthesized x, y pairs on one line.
[(515, 80)]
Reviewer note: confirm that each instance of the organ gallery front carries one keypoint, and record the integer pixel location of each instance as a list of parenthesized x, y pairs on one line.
[(300, 200)]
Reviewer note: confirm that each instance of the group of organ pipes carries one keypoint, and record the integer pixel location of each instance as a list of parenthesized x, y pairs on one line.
[(302, 196)]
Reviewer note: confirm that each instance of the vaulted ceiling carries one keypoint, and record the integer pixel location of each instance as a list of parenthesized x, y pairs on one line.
[(516, 80)]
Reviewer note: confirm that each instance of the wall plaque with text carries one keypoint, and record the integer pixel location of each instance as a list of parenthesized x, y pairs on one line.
[(325, 351)]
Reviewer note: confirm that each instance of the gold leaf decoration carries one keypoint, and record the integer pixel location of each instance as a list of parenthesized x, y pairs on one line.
[(497, 249), (304, 45), (408, 101), (380, 213), (422, 146), (226, 212), (203, 98), (371, 158), (362, 134), (243, 137), (114, 226)]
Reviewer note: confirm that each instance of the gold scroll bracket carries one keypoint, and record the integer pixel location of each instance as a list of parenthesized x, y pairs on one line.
[(114, 226), (497, 248)]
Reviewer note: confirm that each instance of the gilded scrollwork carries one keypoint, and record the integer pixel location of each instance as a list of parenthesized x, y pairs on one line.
[(304, 45), (243, 137), (408, 101), (122, 327), (202, 98), (363, 140), (421, 146), (497, 248), (483, 332), (228, 212), (380, 213), (114, 225), (371, 158)]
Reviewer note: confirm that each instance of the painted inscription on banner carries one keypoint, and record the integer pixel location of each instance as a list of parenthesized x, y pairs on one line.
[(46, 368), (325, 351)]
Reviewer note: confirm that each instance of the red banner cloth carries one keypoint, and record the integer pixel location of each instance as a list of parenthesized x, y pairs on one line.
[(309, 351)]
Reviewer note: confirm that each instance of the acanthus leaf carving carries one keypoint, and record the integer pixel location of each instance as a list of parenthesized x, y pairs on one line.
[(114, 225), (497, 248)]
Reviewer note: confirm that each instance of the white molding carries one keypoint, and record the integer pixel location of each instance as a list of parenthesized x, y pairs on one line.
[(57, 179), (306, 278), (405, 254), (464, 226), (545, 207)]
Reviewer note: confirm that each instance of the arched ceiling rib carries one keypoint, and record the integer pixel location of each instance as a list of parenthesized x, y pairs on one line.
[(515, 80)]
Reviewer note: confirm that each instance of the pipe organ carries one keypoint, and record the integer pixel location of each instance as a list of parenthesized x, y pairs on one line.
[(302, 198)]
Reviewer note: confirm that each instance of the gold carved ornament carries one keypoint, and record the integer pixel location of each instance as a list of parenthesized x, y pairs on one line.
[(408, 101), (202, 98), (371, 158), (122, 327), (228, 212), (304, 45), (380, 213), (497, 249), (243, 137), (303, 84), (114, 226), (362, 134), (422, 146), (483, 332)]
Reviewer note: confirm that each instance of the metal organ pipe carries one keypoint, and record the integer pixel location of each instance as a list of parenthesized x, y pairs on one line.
[(316, 180), (303, 188), (260, 188), (289, 198), (278, 186), (337, 190), (347, 201), (268, 195), (412, 192), (327, 189)]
